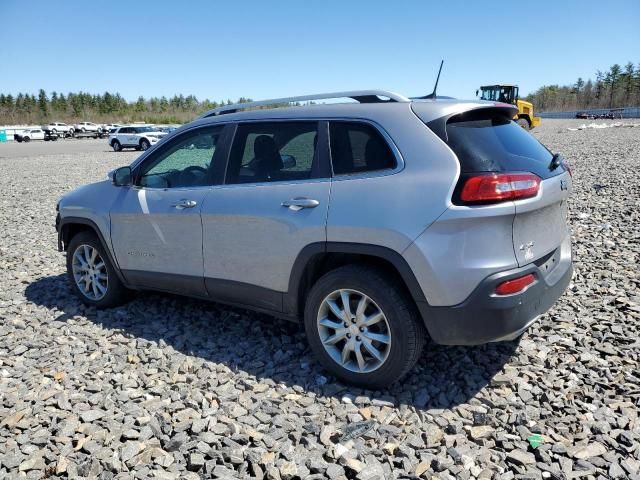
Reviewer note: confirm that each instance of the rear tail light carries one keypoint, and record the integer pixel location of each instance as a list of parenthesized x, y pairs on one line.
[(515, 285), (499, 187)]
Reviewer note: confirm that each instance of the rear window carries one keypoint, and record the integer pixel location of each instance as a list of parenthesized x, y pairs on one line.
[(489, 141)]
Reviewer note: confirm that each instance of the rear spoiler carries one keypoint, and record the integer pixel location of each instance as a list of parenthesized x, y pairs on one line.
[(439, 125)]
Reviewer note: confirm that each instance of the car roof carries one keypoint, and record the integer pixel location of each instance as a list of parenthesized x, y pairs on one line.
[(430, 109)]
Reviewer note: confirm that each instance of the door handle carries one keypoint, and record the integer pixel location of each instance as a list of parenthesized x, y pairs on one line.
[(184, 203), (296, 204)]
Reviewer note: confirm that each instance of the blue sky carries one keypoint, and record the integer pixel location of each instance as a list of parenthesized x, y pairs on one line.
[(269, 49)]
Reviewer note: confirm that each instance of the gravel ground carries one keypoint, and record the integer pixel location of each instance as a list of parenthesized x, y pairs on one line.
[(166, 387)]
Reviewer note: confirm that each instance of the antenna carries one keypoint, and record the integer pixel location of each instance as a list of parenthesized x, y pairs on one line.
[(435, 87)]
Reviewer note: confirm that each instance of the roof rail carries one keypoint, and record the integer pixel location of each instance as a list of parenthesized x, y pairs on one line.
[(362, 96)]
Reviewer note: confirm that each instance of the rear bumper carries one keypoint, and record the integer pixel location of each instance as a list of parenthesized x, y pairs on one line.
[(485, 317)]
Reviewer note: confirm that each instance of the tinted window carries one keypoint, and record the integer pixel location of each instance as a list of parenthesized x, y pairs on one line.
[(491, 142), (272, 152), (187, 161), (358, 148)]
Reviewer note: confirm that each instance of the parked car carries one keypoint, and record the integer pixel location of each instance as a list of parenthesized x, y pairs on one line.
[(166, 128), (29, 134), (377, 224), (58, 128), (140, 137), (87, 127)]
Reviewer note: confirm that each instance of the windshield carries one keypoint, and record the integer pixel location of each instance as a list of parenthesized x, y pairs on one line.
[(498, 94)]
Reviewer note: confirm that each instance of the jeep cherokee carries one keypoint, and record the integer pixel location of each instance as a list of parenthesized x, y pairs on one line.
[(378, 223)]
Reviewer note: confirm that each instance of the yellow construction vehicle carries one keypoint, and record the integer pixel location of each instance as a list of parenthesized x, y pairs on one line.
[(509, 94)]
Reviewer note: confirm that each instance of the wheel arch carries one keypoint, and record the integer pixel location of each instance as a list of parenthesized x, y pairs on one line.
[(71, 226), (526, 116), (319, 258)]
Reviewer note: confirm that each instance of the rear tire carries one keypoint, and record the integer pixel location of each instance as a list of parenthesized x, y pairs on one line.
[(116, 146), (89, 265), (524, 123), (26, 139), (401, 332)]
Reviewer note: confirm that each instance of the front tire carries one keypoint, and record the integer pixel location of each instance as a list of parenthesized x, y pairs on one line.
[(524, 123), (144, 144), (116, 146), (362, 328), (92, 276)]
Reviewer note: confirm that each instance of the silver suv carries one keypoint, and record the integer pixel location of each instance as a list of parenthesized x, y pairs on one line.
[(378, 223)]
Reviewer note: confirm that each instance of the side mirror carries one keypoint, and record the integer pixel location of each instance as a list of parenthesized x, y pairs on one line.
[(288, 161), (122, 177), (477, 91)]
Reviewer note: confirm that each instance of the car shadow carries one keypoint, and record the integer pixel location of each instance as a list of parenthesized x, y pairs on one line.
[(274, 350)]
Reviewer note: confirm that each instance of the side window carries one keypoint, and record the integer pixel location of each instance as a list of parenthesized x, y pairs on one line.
[(358, 148), (124, 130), (187, 161), (272, 152)]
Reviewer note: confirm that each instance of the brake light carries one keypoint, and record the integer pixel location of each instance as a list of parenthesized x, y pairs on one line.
[(515, 285), (499, 187)]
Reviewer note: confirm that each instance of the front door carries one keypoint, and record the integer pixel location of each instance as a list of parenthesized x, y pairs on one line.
[(156, 228), (274, 203)]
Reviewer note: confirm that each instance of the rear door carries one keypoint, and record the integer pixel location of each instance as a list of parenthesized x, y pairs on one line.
[(273, 204), (487, 141), (123, 135), (133, 138)]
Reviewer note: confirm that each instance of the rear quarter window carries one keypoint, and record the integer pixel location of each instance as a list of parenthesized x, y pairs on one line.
[(358, 148)]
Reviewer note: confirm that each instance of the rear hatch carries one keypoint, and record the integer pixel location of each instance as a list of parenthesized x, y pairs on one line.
[(489, 145)]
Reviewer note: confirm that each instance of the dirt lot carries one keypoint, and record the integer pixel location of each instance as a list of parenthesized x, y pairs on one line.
[(166, 387), (62, 146)]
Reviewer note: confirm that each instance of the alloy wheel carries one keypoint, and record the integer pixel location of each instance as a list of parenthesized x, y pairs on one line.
[(90, 272), (354, 331)]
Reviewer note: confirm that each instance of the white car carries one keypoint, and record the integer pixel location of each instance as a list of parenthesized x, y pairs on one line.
[(58, 128), (87, 127), (29, 134), (140, 137)]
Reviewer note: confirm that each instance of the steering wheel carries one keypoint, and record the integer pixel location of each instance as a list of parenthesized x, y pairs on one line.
[(192, 174)]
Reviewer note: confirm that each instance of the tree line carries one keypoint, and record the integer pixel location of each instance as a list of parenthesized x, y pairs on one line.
[(27, 108), (616, 87), (613, 88)]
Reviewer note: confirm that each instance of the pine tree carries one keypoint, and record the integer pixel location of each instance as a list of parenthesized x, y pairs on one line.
[(43, 104)]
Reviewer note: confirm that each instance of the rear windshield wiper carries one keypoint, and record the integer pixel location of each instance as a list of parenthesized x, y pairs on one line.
[(556, 161)]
